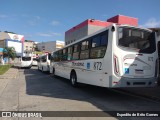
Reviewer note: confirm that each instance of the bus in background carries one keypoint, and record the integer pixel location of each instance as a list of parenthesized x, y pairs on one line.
[(23, 62), (34, 62), (117, 56), (35, 59), (44, 62)]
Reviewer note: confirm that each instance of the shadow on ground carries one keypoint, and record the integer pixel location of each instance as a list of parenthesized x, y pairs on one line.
[(42, 84)]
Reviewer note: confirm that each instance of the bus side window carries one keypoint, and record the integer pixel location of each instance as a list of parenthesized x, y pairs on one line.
[(96, 41), (99, 45), (76, 49), (60, 55), (84, 54), (69, 55), (51, 57), (55, 57), (64, 57)]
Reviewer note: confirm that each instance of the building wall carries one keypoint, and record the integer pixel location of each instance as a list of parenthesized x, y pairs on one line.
[(92, 29), (75, 35), (2, 43), (90, 26), (4, 36), (81, 32), (28, 46), (49, 46), (84, 29), (12, 40)]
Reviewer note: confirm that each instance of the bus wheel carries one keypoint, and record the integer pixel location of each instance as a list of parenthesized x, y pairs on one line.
[(73, 79)]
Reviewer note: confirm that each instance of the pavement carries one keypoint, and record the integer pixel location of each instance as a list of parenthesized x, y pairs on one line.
[(33, 90), (10, 74), (152, 93)]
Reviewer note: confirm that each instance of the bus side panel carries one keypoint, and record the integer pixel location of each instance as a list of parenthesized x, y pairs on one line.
[(107, 61), (90, 72), (98, 71)]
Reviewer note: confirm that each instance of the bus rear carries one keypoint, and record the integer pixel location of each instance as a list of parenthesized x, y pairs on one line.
[(135, 58)]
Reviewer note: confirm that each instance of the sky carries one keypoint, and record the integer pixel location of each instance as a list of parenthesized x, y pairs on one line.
[(47, 20)]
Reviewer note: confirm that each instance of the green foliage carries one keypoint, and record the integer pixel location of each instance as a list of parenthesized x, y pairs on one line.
[(4, 68), (9, 52)]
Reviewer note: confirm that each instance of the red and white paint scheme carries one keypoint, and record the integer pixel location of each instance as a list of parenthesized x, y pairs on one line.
[(16, 37), (91, 26)]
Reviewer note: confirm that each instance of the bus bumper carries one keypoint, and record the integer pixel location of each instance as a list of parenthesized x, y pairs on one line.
[(133, 82)]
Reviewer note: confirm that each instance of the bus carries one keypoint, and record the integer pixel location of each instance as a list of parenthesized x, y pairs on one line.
[(23, 62), (43, 62), (117, 56), (34, 62)]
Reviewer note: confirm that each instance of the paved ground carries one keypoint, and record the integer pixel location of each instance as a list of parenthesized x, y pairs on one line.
[(10, 74), (33, 90), (151, 93)]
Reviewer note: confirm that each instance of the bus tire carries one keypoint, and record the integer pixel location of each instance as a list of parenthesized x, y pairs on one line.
[(73, 79)]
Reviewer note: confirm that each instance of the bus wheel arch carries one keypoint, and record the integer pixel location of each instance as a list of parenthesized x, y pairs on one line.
[(73, 78)]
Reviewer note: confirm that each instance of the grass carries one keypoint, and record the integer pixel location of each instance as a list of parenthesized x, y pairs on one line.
[(4, 68)]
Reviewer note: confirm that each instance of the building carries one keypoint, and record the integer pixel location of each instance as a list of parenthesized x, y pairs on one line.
[(28, 46), (1, 55), (8, 39), (91, 26), (50, 46)]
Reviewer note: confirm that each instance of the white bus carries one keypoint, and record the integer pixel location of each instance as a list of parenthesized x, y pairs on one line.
[(23, 62), (117, 56), (43, 62)]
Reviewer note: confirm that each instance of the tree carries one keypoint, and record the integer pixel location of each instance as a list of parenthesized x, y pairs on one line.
[(9, 52)]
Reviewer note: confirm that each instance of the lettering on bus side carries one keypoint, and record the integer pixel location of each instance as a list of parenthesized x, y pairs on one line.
[(97, 66), (77, 64)]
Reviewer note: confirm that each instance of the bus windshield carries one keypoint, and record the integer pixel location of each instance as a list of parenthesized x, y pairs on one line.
[(26, 58), (136, 39)]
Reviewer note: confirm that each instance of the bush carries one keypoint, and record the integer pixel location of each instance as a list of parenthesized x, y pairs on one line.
[(4, 68)]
